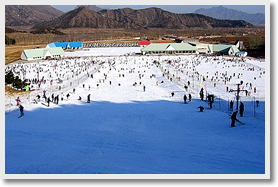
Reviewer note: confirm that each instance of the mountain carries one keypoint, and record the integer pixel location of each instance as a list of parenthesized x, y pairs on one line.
[(225, 13), (80, 17), (92, 7), (26, 15), (136, 19)]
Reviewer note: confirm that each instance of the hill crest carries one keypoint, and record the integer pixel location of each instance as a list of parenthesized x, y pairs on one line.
[(137, 19), (221, 12)]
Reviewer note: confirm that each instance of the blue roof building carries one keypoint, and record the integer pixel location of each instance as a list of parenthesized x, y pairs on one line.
[(66, 45)]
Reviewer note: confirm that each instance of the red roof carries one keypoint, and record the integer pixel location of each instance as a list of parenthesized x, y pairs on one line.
[(144, 42)]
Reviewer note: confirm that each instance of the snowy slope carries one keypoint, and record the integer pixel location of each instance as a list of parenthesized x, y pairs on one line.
[(126, 130)]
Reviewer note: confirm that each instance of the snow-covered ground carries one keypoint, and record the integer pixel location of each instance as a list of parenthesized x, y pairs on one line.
[(126, 130)]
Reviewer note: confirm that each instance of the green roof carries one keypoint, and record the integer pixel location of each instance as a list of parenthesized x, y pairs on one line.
[(168, 47), (183, 46), (220, 47), (42, 52)]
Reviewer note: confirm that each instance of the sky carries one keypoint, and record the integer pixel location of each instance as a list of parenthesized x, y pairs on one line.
[(252, 9)]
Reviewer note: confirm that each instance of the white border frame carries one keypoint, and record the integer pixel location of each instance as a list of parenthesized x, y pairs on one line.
[(267, 174)]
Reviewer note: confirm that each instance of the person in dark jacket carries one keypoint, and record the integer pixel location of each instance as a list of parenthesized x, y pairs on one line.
[(201, 108), (233, 118), (231, 105), (241, 109), (189, 97), (211, 100), (184, 98), (88, 98), (48, 101), (21, 111), (172, 94), (202, 94), (68, 96)]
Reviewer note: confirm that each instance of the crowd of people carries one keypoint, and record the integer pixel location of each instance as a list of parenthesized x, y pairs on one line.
[(46, 74)]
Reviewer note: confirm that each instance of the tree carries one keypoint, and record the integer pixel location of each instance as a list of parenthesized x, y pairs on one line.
[(9, 41), (16, 82), (254, 41), (9, 77)]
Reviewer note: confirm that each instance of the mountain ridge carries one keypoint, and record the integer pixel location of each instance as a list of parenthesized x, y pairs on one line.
[(221, 12), (136, 19), (26, 15)]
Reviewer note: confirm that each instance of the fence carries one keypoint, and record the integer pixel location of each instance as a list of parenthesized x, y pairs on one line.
[(123, 44)]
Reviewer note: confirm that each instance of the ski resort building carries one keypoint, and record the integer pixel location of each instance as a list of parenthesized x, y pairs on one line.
[(215, 49), (223, 49), (202, 48), (168, 48), (191, 48), (66, 45), (42, 53)]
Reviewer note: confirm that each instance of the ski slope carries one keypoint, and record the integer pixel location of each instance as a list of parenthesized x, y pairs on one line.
[(126, 130)]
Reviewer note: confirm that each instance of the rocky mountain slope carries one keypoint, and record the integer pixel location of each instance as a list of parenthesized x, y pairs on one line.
[(137, 19), (26, 15), (92, 7)]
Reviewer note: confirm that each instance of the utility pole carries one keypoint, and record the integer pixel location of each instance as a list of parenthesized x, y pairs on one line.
[(237, 93)]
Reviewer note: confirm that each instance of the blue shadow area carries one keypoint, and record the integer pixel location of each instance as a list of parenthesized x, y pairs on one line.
[(140, 137)]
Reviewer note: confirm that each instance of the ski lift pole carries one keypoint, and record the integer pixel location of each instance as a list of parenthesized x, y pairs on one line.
[(237, 96)]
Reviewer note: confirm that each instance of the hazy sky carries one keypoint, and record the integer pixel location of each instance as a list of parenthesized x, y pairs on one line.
[(174, 8)]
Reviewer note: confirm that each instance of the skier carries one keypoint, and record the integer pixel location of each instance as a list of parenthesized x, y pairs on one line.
[(79, 98), (233, 118), (172, 94), (17, 101), (184, 98), (68, 96), (48, 101), (231, 105), (189, 97), (185, 87), (21, 111), (44, 96), (88, 98), (38, 96), (57, 99), (211, 100), (201, 108), (144, 88), (241, 109), (202, 94), (62, 96)]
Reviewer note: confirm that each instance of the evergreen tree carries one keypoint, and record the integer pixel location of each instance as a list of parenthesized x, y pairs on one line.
[(15, 81), (9, 78)]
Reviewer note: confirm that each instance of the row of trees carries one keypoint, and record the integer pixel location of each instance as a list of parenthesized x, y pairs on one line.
[(15, 81), (9, 41)]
